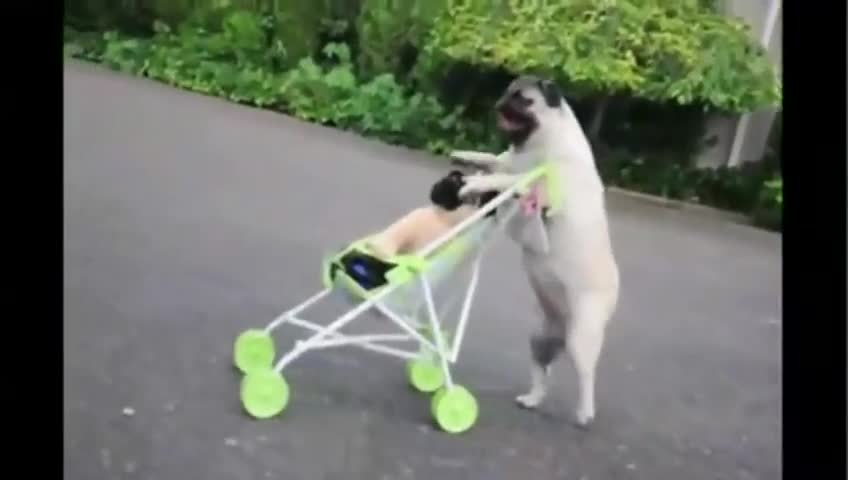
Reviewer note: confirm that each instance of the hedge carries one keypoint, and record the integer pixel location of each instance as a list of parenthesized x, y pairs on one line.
[(413, 76)]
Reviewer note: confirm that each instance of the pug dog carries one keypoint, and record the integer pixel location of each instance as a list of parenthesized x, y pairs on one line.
[(576, 280)]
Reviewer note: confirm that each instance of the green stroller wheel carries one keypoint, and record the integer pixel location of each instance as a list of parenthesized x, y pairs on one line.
[(455, 410), (264, 393), (424, 375), (253, 351), (435, 401)]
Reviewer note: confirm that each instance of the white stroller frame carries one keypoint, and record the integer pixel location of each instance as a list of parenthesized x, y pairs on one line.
[(327, 336)]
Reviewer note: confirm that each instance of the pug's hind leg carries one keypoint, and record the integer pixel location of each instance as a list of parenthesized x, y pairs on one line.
[(544, 349)]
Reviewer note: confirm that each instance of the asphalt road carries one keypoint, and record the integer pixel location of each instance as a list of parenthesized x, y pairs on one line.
[(188, 219)]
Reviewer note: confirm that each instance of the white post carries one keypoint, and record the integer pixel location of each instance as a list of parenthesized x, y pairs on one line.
[(742, 126)]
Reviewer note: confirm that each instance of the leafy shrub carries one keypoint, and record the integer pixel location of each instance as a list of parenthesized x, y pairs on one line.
[(654, 50), (84, 45), (301, 25), (390, 32), (235, 62), (730, 188), (607, 54), (324, 91), (773, 191), (239, 55), (379, 107), (769, 210), (649, 129), (88, 15)]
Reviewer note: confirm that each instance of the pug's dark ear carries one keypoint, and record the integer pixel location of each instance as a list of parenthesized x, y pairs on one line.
[(551, 93)]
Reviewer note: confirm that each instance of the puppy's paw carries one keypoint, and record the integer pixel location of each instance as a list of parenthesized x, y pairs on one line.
[(529, 400)]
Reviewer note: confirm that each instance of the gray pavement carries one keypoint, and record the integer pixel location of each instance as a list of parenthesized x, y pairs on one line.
[(188, 219)]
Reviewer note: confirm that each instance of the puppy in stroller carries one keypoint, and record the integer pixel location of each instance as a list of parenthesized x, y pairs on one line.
[(368, 261)]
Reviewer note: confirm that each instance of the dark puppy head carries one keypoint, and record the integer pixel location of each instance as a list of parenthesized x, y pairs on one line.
[(445, 192), (524, 106)]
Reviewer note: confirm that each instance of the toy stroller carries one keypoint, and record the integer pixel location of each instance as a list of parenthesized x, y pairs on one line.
[(402, 287)]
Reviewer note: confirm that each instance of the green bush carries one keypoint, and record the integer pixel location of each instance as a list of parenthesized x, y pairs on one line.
[(90, 15), (303, 25), (655, 50), (325, 90), (83, 45), (650, 129), (769, 210), (250, 56), (730, 188), (390, 32), (607, 54), (379, 107), (235, 62), (134, 17)]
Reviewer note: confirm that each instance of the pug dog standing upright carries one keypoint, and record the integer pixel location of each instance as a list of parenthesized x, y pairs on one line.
[(576, 281)]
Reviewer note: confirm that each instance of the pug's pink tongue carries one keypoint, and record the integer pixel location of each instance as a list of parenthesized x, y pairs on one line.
[(505, 124)]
